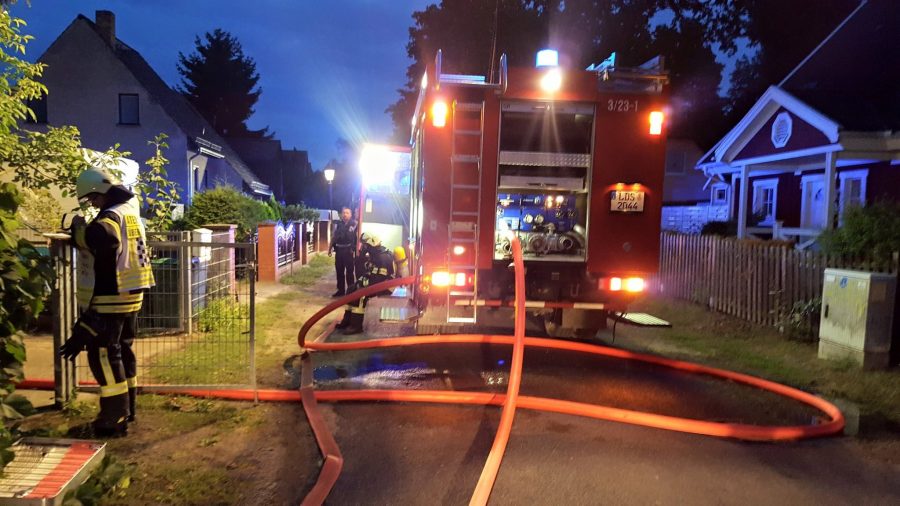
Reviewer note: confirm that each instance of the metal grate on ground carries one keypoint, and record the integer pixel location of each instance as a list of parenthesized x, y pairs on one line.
[(44, 469)]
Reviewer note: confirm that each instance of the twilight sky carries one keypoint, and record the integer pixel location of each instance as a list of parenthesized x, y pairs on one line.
[(328, 68)]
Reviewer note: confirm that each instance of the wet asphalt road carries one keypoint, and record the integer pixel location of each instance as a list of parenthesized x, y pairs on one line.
[(415, 454), (396, 453)]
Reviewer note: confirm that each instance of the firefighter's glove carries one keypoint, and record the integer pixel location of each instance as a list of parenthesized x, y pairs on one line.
[(85, 330), (363, 282), (72, 347), (77, 229), (78, 222)]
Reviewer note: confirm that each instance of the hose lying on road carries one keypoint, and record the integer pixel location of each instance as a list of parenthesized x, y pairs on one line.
[(333, 461), (834, 425), (492, 464)]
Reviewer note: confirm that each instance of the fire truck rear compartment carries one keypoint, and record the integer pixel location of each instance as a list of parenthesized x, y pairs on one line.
[(543, 180)]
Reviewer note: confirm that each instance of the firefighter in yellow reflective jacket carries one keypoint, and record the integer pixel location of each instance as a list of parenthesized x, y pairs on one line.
[(121, 264), (378, 267)]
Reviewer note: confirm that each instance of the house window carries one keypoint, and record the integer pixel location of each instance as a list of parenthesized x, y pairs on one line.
[(765, 196), (129, 109), (719, 194), (39, 108), (852, 189)]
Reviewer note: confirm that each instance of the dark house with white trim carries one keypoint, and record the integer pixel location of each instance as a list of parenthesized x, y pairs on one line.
[(825, 138)]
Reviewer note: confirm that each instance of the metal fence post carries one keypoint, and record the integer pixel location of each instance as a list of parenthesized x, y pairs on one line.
[(184, 278), (63, 306), (251, 267)]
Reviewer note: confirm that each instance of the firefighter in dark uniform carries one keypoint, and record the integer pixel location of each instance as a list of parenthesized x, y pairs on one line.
[(378, 267), (118, 244), (343, 244)]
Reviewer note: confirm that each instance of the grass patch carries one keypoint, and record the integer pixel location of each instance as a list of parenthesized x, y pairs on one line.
[(221, 357), (309, 274), (722, 341), (182, 483)]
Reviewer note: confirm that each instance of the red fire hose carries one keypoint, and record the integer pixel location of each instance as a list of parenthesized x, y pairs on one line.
[(333, 461)]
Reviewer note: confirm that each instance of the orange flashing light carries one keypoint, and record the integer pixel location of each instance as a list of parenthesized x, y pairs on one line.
[(440, 278), (656, 122), (617, 284), (439, 112), (634, 285)]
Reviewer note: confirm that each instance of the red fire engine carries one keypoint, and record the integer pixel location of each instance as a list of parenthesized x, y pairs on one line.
[(569, 161)]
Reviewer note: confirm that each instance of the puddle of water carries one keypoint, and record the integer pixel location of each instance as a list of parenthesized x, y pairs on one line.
[(376, 371)]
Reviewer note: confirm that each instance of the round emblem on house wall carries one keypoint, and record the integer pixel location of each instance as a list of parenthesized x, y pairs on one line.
[(781, 130)]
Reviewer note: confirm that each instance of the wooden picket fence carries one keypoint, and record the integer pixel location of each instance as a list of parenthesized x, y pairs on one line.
[(759, 281)]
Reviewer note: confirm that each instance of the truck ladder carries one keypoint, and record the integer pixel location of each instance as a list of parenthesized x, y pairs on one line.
[(465, 202)]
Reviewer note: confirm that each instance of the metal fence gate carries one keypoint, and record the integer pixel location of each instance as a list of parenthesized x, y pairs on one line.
[(196, 326)]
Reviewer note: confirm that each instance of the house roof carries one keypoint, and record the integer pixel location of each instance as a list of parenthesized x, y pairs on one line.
[(852, 75), (191, 122)]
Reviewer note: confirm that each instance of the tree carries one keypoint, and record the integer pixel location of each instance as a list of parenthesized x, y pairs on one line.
[(778, 43), (584, 32), (24, 274), (463, 30), (221, 82), (156, 191)]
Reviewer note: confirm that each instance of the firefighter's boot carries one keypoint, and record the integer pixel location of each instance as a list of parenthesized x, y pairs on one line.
[(132, 405), (112, 419), (356, 324), (345, 321)]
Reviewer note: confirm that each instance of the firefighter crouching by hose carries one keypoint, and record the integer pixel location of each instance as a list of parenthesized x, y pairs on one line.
[(378, 266), (117, 242)]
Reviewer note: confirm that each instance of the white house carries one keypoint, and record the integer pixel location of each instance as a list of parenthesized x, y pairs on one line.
[(99, 84)]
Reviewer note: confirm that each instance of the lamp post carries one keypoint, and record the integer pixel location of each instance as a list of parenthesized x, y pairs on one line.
[(329, 176)]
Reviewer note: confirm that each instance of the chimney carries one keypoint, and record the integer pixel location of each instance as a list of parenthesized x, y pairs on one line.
[(106, 25)]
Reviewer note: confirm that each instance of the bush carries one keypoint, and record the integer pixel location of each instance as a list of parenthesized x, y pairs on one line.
[(299, 212), (722, 228), (223, 314), (226, 205), (871, 232), (802, 322)]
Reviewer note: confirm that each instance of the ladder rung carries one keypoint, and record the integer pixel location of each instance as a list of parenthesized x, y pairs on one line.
[(468, 106), (468, 132), (462, 240), (465, 213), (458, 294), (462, 226), (465, 187), (465, 158)]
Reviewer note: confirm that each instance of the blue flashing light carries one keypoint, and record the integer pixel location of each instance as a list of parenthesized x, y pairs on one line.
[(547, 58), (501, 362)]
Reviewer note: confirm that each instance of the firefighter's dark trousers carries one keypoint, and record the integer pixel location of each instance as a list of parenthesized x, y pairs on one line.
[(113, 364), (355, 311), (344, 266)]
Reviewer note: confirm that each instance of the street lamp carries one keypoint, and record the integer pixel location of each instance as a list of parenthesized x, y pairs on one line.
[(329, 176)]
